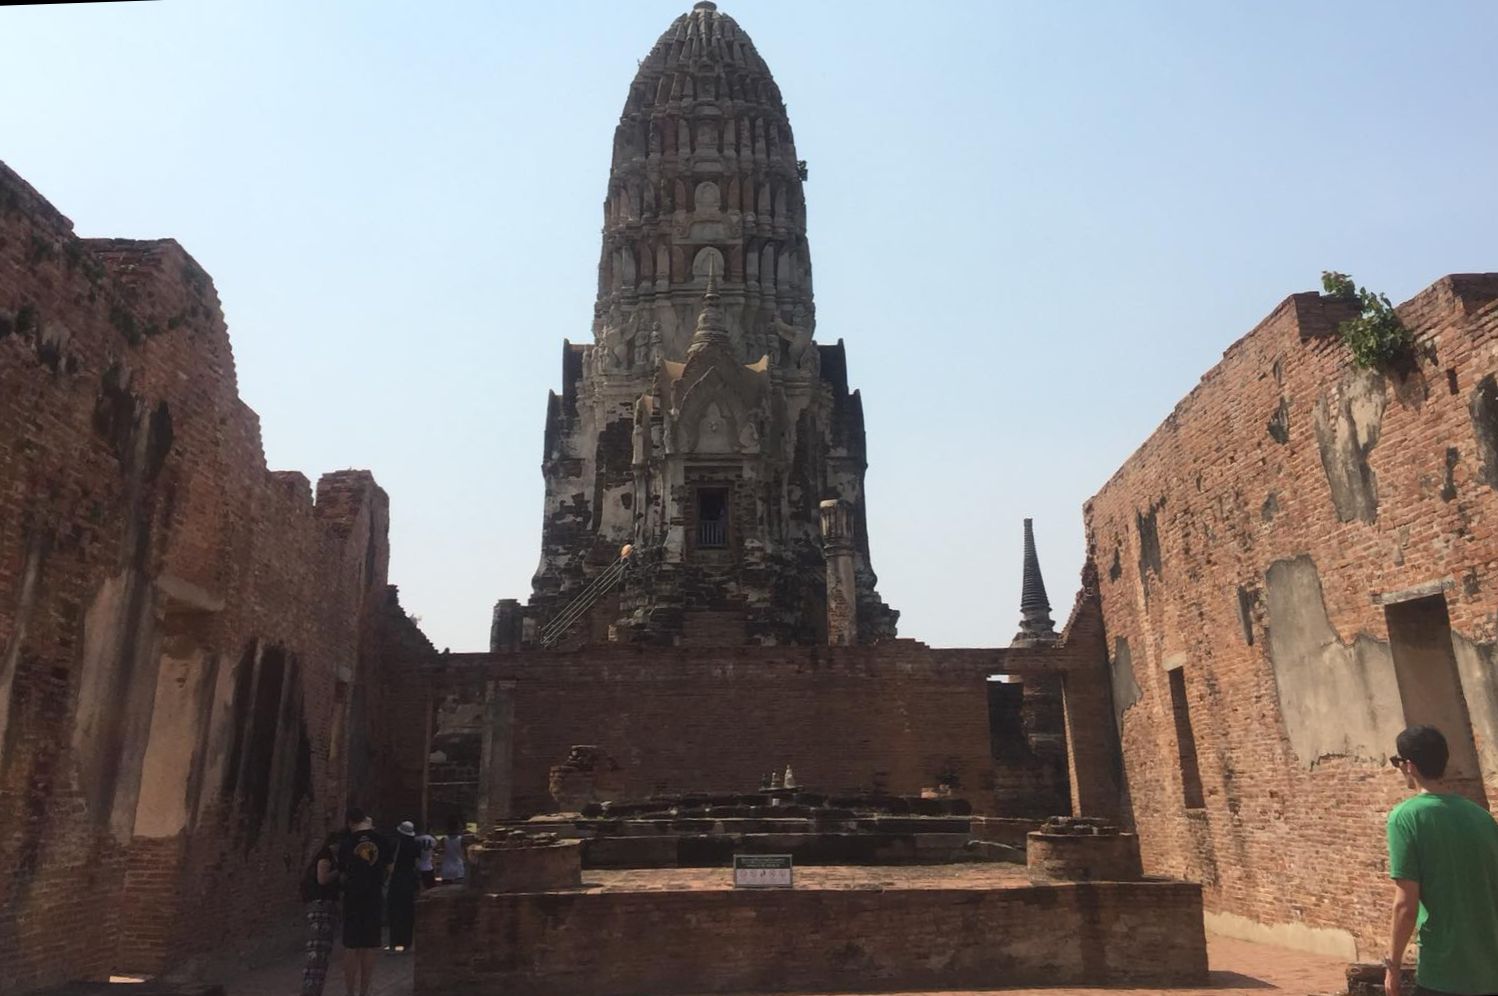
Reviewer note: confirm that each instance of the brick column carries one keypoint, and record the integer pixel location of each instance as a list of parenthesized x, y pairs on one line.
[(497, 764), (505, 631), (842, 593), (1092, 746)]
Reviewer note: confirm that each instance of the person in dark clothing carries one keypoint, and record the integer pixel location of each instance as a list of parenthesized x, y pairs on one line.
[(405, 882), (364, 861), (320, 894)]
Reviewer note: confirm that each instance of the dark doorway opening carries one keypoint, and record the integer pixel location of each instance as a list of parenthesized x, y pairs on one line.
[(1006, 722), (712, 518), (1430, 686), (1191, 774)]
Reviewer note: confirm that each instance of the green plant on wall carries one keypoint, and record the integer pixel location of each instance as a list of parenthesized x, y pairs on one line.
[(1376, 337)]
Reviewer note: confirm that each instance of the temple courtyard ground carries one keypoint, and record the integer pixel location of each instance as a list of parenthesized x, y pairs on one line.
[(1239, 968)]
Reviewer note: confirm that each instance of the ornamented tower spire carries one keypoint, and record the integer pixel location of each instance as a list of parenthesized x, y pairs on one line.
[(1035, 626), (703, 427)]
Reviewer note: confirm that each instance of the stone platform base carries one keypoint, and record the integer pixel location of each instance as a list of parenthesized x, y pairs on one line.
[(842, 929)]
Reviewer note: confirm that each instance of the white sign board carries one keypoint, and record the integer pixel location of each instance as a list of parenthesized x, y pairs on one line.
[(762, 871)]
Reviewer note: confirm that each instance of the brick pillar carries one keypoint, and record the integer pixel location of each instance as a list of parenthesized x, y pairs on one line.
[(497, 763), (1092, 735), (842, 591), (505, 632), (1092, 747)]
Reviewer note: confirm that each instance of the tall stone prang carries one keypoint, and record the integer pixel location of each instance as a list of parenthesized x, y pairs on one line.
[(1035, 626), (703, 426)]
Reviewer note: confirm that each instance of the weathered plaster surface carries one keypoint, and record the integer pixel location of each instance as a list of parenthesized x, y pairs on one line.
[(1347, 423), (1477, 664), (1126, 690), (1337, 698), (1296, 936)]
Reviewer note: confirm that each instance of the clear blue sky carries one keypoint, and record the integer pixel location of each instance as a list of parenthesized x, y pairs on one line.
[(1035, 225)]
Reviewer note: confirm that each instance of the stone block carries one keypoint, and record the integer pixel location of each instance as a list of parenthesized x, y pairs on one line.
[(1053, 857), (526, 868)]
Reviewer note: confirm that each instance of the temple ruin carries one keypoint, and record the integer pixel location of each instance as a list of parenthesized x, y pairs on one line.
[(202, 661), (705, 613)]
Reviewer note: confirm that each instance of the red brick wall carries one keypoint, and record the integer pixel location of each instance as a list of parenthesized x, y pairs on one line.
[(897, 716), (716, 721), (1235, 482), (147, 554), (809, 940)]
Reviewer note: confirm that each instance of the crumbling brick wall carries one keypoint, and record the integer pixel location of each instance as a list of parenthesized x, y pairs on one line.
[(181, 630), (809, 939), (897, 717), (1245, 552)]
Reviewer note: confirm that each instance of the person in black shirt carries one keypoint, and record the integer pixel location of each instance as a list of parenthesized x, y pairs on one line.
[(364, 860), (405, 882)]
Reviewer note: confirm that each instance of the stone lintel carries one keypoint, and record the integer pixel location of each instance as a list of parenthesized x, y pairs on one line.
[(1410, 594)]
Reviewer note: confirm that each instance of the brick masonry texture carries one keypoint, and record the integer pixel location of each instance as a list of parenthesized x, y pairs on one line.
[(838, 930), (896, 716), (1243, 553), (188, 641)]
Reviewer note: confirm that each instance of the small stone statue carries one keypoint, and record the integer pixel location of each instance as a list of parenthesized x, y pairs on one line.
[(653, 349), (775, 780), (749, 437), (795, 335), (790, 777)]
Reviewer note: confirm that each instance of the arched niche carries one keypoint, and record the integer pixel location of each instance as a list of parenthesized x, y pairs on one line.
[(707, 258), (707, 199)]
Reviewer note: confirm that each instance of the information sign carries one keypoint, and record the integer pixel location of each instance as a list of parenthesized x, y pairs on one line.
[(762, 871)]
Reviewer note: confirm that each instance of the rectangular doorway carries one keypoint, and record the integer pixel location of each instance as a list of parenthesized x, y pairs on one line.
[(1430, 687), (712, 518), (1191, 774)]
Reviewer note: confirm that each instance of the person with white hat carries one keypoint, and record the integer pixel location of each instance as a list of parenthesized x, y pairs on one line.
[(405, 882)]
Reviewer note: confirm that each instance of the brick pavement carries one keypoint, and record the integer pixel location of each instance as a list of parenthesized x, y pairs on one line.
[(1239, 968)]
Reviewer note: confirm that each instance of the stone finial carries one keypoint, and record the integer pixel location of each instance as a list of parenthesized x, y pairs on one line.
[(711, 328), (790, 777), (1035, 626)]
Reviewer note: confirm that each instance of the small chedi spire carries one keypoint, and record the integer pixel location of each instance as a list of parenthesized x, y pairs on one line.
[(1035, 626), (711, 328)]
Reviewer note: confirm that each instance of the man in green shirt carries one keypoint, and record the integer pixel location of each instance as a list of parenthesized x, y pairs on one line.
[(1443, 858)]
